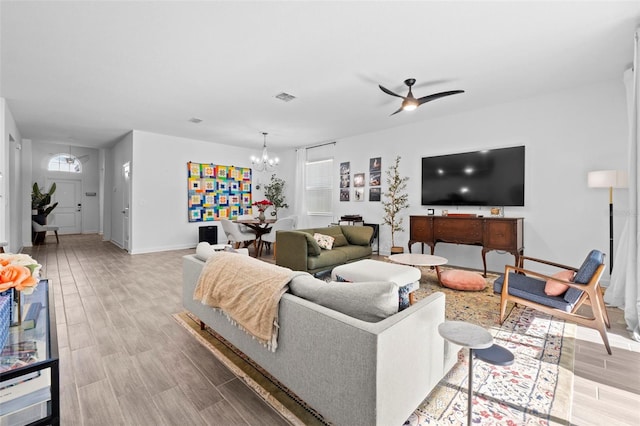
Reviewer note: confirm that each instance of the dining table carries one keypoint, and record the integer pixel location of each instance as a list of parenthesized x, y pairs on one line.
[(260, 227)]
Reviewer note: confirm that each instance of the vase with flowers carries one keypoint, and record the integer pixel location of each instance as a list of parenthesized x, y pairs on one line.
[(262, 206), (19, 273)]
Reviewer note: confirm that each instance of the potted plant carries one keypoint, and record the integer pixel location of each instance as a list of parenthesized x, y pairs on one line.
[(395, 200), (41, 205), (274, 192)]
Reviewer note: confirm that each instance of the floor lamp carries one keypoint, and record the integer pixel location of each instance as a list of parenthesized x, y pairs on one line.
[(609, 179)]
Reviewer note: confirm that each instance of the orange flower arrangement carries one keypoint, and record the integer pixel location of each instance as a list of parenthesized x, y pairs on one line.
[(19, 271)]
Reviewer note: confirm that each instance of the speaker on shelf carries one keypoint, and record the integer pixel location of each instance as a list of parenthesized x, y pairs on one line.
[(208, 234)]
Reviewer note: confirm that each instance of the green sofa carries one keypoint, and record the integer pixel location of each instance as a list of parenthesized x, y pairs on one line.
[(298, 250)]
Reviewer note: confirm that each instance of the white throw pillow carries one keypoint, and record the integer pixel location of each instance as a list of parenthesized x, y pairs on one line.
[(324, 241)]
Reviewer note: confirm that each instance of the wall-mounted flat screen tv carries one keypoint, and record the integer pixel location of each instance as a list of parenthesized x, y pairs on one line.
[(492, 177)]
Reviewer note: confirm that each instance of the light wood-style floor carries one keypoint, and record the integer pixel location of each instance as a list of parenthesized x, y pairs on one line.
[(125, 361)]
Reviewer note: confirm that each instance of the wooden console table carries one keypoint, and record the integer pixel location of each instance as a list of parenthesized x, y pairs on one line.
[(491, 233)]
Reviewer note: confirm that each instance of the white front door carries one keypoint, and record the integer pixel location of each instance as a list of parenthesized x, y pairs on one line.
[(68, 214)]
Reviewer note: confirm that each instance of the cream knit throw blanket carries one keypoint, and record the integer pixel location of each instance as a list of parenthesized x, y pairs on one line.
[(247, 290)]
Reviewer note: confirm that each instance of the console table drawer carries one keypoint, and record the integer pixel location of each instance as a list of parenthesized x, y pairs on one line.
[(462, 231)]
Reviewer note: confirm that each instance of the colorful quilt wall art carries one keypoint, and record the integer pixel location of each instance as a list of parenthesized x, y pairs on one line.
[(218, 192)]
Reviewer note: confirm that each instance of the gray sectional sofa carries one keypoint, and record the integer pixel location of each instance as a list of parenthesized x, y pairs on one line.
[(351, 371), (297, 250)]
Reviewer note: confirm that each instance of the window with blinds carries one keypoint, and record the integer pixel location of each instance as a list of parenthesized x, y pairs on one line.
[(318, 180)]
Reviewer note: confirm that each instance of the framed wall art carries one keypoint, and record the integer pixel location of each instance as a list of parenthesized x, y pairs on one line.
[(217, 192)]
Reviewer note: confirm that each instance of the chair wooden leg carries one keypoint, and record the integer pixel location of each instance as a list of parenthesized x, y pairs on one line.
[(274, 249), (503, 309), (57, 239)]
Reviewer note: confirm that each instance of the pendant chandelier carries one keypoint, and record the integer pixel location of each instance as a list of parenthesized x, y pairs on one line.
[(264, 162)]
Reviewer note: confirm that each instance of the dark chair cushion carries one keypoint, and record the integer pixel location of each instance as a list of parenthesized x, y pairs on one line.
[(532, 289), (594, 259)]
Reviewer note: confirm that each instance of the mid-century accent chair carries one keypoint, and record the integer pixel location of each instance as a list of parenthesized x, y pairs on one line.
[(527, 287)]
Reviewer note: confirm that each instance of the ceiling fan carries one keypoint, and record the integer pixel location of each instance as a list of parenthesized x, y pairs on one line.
[(410, 102)]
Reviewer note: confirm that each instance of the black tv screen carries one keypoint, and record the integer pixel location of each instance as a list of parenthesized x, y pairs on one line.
[(492, 177)]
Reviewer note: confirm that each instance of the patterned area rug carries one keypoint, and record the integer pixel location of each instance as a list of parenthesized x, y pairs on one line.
[(535, 390)]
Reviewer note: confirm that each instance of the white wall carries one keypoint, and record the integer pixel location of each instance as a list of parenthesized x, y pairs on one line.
[(115, 190), (159, 218), (12, 181), (566, 135)]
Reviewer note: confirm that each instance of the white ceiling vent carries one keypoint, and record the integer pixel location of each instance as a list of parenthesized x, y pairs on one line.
[(195, 120), (285, 97)]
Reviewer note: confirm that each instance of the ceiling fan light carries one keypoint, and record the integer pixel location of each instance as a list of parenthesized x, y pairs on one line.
[(409, 103)]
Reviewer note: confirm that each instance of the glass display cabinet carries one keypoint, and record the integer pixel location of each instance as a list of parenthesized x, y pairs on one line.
[(29, 364)]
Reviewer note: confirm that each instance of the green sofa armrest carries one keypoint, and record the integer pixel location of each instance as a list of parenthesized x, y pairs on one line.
[(293, 247), (358, 235)]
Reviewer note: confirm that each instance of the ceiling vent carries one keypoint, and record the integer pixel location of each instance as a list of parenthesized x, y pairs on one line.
[(285, 97), (195, 120)]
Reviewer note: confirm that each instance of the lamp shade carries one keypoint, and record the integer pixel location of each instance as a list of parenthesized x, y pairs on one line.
[(608, 179)]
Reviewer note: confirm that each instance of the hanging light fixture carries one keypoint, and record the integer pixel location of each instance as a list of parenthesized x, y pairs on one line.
[(264, 162)]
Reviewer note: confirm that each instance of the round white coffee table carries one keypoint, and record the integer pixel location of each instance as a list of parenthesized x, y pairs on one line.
[(419, 259)]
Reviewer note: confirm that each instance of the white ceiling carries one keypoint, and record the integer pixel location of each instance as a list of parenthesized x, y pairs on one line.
[(85, 73)]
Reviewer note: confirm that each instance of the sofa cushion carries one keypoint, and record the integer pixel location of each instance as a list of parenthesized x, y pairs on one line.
[(327, 259), (339, 240), (352, 252), (358, 235), (368, 301), (458, 279), (313, 249), (530, 288), (324, 241)]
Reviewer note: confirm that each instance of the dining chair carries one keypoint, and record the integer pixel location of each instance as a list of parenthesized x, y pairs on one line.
[(236, 235), (242, 227), (284, 224)]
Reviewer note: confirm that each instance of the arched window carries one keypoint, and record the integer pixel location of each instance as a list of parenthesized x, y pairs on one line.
[(65, 163)]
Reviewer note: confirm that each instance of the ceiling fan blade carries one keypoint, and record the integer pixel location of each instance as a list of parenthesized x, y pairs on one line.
[(389, 92), (399, 109), (435, 96)]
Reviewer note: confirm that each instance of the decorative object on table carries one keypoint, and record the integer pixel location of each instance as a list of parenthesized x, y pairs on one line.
[(18, 273), (395, 200), (5, 315), (262, 206), (409, 102), (497, 212), (264, 163), (609, 179), (218, 192), (430, 212), (274, 192)]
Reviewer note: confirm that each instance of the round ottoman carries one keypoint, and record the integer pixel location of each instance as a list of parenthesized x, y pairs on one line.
[(462, 280)]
